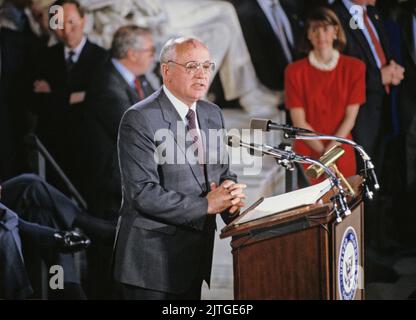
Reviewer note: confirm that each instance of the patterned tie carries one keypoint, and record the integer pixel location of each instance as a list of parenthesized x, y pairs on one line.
[(70, 61), (377, 45), (139, 88), (196, 139)]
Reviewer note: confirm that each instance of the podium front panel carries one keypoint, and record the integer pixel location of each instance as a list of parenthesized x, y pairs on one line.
[(348, 253), (290, 266)]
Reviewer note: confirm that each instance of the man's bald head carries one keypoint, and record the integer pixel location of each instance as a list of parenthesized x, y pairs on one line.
[(178, 46), (186, 68)]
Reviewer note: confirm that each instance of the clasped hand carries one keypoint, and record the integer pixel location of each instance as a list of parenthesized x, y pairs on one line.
[(228, 195)]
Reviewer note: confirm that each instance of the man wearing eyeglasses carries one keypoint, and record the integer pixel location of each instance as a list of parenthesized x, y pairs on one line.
[(118, 85), (166, 228)]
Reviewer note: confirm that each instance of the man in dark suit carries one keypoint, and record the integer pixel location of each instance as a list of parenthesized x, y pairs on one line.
[(175, 178), (271, 30), (406, 19), (118, 85), (33, 233), (13, 90), (367, 40), (63, 78)]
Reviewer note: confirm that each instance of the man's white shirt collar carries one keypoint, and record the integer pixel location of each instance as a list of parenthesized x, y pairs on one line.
[(125, 72), (77, 50), (181, 107), (349, 4)]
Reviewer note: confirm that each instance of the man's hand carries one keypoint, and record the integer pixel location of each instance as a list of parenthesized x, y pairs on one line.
[(398, 73), (235, 190), (41, 86), (387, 74), (392, 74)]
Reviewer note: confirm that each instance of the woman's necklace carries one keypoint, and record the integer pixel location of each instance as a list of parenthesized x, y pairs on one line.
[(329, 66)]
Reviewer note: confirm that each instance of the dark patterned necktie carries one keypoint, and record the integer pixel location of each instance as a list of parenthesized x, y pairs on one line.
[(196, 139), (70, 61), (139, 88)]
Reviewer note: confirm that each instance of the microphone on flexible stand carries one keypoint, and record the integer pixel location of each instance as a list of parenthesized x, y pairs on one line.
[(268, 125), (305, 134), (286, 159)]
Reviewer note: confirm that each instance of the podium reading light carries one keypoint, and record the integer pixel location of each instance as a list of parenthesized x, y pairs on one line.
[(329, 159)]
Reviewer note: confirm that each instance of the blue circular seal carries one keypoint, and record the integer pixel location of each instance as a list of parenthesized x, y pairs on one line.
[(348, 265)]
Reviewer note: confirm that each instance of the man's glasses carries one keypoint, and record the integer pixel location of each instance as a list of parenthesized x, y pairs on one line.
[(151, 50), (192, 67)]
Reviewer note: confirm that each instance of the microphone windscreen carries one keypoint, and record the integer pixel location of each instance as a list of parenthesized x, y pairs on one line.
[(261, 124), (233, 141)]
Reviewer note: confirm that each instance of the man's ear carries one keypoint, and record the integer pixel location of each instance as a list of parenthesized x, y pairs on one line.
[(164, 69)]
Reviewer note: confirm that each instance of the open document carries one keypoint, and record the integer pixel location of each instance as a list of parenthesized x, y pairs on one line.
[(284, 202)]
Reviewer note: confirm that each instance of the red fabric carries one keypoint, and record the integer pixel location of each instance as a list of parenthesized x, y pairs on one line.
[(374, 40), (324, 95), (377, 45), (139, 89)]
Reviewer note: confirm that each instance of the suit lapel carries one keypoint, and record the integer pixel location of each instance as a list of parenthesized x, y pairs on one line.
[(212, 144), (407, 30), (356, 33), (178, 130), (60, 61), (375, 19), (82, 59), (203, 121), (132, 94), (263, 23)]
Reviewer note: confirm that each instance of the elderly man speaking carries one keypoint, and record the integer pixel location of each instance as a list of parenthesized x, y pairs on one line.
[(166, 228)]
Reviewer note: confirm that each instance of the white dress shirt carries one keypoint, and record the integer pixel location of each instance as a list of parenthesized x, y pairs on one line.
[(77, 50), (182, 108), (125, 73)]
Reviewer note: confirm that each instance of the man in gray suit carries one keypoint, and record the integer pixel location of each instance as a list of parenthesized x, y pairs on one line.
[(118, 84), (172, 182)]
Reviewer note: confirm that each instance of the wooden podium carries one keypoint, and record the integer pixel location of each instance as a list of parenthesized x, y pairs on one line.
[(300, 254)]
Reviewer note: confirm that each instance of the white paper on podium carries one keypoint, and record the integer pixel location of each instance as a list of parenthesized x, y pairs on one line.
[(287, 201)]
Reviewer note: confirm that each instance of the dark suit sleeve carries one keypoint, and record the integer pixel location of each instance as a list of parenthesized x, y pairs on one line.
[(108, 106), (141, 181), (38, 234)]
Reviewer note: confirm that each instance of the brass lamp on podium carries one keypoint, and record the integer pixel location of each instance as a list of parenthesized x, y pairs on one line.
[(329, 159)]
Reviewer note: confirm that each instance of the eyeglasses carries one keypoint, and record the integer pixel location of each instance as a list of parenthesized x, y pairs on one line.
[(192, 67), (152, 50)]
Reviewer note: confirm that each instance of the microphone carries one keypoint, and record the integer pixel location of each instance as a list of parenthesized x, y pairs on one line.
[(234, 141), (267, 125), (304, 134), (286, 159)]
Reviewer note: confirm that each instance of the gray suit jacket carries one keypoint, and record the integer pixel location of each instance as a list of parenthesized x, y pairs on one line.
[(164, 236)]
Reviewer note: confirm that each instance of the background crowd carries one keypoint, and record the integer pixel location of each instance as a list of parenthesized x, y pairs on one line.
[(335, 71)]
